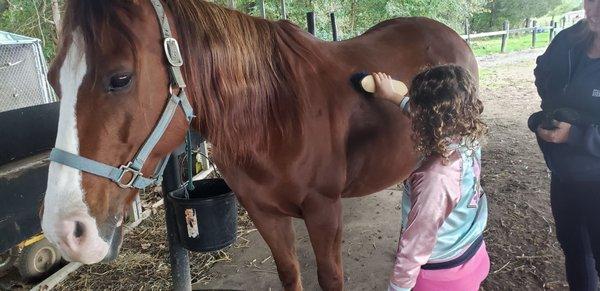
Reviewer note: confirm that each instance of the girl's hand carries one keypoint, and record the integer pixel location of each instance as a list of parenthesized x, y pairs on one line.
[(383, 88), (558, 135)]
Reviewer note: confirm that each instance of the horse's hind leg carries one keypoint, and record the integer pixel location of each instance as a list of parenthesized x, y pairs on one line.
[(323, 218), (278, 232)]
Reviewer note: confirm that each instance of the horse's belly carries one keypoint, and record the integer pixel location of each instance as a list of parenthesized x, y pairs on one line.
[(379, 147)]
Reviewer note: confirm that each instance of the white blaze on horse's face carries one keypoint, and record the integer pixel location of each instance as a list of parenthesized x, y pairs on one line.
[(66, 219)]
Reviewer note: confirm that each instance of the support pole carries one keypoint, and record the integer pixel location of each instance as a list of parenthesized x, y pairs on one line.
[(310, 22), (232, 4), (283, 9), (180, 261), (468, 31), (334, 31), (534, 34), (506, 27), (261, 7), (552, 29)]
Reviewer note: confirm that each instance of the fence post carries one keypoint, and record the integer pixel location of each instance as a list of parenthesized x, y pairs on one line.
[(283, 9), (534, 34), (232, 4), (468, 31), (563, 22), (310, 22), (552, 30), (506, 27), (261, 7), (334, 31)]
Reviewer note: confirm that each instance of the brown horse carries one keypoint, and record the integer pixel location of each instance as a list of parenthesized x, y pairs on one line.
[(289, 132)]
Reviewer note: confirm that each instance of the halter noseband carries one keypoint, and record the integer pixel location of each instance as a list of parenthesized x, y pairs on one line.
[(130, 175)]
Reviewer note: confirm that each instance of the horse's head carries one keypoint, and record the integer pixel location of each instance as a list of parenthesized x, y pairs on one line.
[(112, 78)]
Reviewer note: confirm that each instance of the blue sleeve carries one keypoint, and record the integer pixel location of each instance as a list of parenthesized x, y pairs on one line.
[(586, 138)]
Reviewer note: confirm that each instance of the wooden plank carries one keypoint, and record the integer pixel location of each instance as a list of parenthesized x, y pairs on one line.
[(57, 277)]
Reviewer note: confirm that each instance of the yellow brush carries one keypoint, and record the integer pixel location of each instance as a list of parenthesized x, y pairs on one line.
[(368, 84)]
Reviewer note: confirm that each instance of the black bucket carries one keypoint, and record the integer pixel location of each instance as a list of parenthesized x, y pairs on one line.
[(207, 221)]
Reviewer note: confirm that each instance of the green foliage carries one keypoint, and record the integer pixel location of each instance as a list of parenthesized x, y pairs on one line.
[(31, 18), (356, 16), (34, 17), (517, 11)]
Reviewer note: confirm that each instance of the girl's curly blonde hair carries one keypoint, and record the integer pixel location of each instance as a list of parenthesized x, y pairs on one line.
[(445, 108)]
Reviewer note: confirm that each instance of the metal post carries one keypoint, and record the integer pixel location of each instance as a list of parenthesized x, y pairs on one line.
[(333, 26), (283, 9), (468, 31), (180, 262), (261, 7), (505, 36), (552, 27), (534, 34), (563, 22), (310, 22)]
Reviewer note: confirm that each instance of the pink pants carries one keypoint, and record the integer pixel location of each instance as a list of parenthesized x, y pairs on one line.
[(466, 277)]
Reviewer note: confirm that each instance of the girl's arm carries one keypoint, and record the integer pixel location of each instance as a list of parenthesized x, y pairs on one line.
[(384, 89), (433, 196)]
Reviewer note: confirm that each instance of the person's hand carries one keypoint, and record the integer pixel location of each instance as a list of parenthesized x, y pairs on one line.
[(383, 88), (558, 135)]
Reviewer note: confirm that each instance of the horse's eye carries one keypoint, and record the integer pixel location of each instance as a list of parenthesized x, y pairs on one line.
[(119, 82)]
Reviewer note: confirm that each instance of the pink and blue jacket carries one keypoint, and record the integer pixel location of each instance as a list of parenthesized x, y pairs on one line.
[(444, 214)]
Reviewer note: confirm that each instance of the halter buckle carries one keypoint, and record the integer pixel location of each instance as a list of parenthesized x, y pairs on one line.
[(173, 52), (127, 169)]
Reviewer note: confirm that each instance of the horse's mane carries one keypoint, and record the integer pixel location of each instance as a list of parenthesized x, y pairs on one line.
[(244, 74)]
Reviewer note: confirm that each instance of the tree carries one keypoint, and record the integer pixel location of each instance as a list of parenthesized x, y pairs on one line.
[(515, 11)]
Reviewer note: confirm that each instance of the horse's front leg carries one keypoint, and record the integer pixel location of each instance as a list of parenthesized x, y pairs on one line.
[(323, 218), (278, 232)]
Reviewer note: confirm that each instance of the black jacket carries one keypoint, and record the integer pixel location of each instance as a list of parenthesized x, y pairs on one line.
[(567, 79)]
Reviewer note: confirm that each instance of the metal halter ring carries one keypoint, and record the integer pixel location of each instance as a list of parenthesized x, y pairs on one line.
[(134, 175)]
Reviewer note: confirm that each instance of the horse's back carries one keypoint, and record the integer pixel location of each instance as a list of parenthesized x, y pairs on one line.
[(379, 147), (403, 46)]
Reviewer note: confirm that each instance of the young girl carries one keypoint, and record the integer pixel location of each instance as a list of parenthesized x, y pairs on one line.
[(444, 211)]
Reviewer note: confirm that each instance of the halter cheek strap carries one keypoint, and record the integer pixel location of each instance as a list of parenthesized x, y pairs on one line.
[(129, 175)]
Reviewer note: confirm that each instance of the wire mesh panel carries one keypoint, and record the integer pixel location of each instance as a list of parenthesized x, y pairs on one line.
[(23, 75)]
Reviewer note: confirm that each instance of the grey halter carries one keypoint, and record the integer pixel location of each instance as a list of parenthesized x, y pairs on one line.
[(129, 175)]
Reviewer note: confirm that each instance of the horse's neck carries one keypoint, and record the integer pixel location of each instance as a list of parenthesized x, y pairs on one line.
[(249, 81)]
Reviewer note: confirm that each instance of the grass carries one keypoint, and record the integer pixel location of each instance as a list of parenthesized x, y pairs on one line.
[(491, 45)]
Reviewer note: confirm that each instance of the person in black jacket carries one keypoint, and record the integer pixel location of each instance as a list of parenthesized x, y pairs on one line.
[(568, 132)]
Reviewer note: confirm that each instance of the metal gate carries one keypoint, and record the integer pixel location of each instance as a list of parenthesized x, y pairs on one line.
[(22, 73)]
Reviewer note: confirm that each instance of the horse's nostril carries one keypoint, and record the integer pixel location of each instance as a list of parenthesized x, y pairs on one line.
[(79, 229)]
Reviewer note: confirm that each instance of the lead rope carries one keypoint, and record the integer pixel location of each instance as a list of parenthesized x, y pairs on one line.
[(190, 163)]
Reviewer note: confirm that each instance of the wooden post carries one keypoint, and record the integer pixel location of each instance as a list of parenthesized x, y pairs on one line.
[(527, 22), (261, 7), (283, 9), (333, 26), (310, 22), (506, 27), (56, 17), (534, 34), (552, 27), (232, 4), (468, 31), (136, 209)]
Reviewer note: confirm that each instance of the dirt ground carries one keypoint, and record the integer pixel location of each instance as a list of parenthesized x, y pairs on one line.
[(520, 236)]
